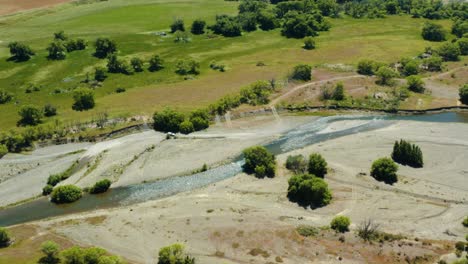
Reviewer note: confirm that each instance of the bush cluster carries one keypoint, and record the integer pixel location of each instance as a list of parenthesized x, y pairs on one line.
[(384, 169), (170, 120), (20, 51), (433, 32), (174, 254), (259, 161), (407, 154), (76, 255), (4, 238), (66, 194), (101, 186), (302, 72), (308, 190), (296, 164)]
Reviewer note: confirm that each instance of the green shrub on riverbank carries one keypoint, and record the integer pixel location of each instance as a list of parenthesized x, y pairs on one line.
[(100, 186), (66, 194), (384, 169), (259, 161), (4, 238)]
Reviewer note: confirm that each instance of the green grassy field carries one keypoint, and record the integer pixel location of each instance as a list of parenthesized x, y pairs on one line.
[(131, 24)]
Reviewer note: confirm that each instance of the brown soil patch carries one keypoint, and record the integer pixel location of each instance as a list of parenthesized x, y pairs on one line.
[(14, 6)]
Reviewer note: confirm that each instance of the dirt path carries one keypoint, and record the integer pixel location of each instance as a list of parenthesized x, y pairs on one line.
[(13, 6)]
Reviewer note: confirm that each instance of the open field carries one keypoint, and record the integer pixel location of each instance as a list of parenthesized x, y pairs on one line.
[(9, 7), (131, 26)]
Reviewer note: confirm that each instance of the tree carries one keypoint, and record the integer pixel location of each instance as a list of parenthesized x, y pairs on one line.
[(267, 20), (47, 189), (433, 32), (259, 161), (433, 63), (248, 21), (114, 65), (94, 255), (186, 127), (78, 44), (463, 46), (60, 35), (366, 67), (100, 74), (104, 47), (137, 64), (174, 254), (51, 253), (296, 163), (338, 93), (101, 186), (50, 110), (3, 150), (83, 99), (460, 27), (200, 119), (309, 43), (30, 115), (308, 190), (302, 72), (5, 96), (156, 63), (317, 165), (73, 255), (167, 120), (57, 51), (449, 51), (411, 68), (177, 25), (227, 26), (66, 194), (198, 27), (384, 169), (385, 74), (4, 238), (463, 92), (340, 224), (187, 66), (407, 154), (181, 37), (415, 83), (20, 52), (300, 25)]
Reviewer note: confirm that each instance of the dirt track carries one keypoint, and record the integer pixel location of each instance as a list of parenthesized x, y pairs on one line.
[(13, 6)]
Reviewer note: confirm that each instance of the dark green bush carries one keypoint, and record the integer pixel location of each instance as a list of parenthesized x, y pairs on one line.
[(309, 43), (465, 221), (463, 93), (137, 64), (198, 27), (308, 190), (174, 254), (200, 119), (463, 45), (187, 66), (4, 238), (384, 169), (104, 47), (338, 92), (317, 165), (177, 25), (168, 120), (47, 189), (340, 224), (296, 163), (433, 63), (5, 96), (3, 150), (433, 32), (259, 161), (101, 186), (83, 99), (227, 26), (415, 83), (100, 74), (407, 154), (30, 115), (20, 52), (115, 65), (51, 253), (57, 51), (156, 63), (66, 194), (50, 110), (256, 93), (449, 51), (302, 72), (186, 127)]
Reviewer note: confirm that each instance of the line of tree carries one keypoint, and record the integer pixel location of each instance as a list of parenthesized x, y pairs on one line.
[(315, 165), (407, 154), (170, 120)]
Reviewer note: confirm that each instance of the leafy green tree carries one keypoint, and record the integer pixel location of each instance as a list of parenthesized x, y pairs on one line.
[(338, 92), (66, 194), (384, 169), (137, 64), (5, 96), (433, 63), (101, 186), (110, 260), (415, 83), (57, 51), (73, 255), (51, 253), (187, 66), (50, 110), (259, 161), (460, 27), (83, 99), (267, 20), (309, 43), (411, 68), (3, 150), (174, 254), (296, 163), (407, 154), (300, 25), (433, 32), (252, 6), (463, 46), (200, 119), (78, 44), (317, 165), (186, 127), (168, 120), (60, 36), (30, 115), (181, 37), (308, 190), (302, 72), (227, 26), (449, 51), (198, 27), (156, 63), (115, 65), (340, 224), (463, 92), (366, 67), (257, 93), (248, 21), (4, 238), (20, 52), (177, 25), (104, 47), (100, 74), (93, 255), (386, 75), (47, 189)]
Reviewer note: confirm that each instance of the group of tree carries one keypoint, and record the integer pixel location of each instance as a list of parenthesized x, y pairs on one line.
[(62, 44), (259, 161), (333, 93), (170, 120), (31, 115), (256, 93), (187, 66), (316, 165), (407, 154)]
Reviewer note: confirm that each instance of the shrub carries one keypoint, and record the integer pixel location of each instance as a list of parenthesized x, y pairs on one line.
[(54, 179), (340, 224), (465, 221), (200, 119), (256, 93), (433, 32), (137, 64), (198, 27), (259, 161), (72, 45), (299, 25), (66, 194), (338, 92), (186, 127), (434, 63), (309, 43), (368, 230), (20, 52), (407, 154), (384, 169), (115, 65), (101, 186), (104, 47), (100, 74), (167, 120), (177, 25), (296, 163), (227, 26), (365, 67), (463, 46), (30, 115), (57, 51), (4, 238), (51, 253), (3, 150), (5, 96), (385, 74), (73, 255), (411, 68), (307, 231), (449, 51), (415, 84), (317, 165), (120, 90), (181, 37), (174, 254), (302, 72), (83, 99), (267, 20), (460, 246), (463, 93), (187, 66), (156, 63), (460, 27), (47, 189), (50, 110), (308, 190)]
